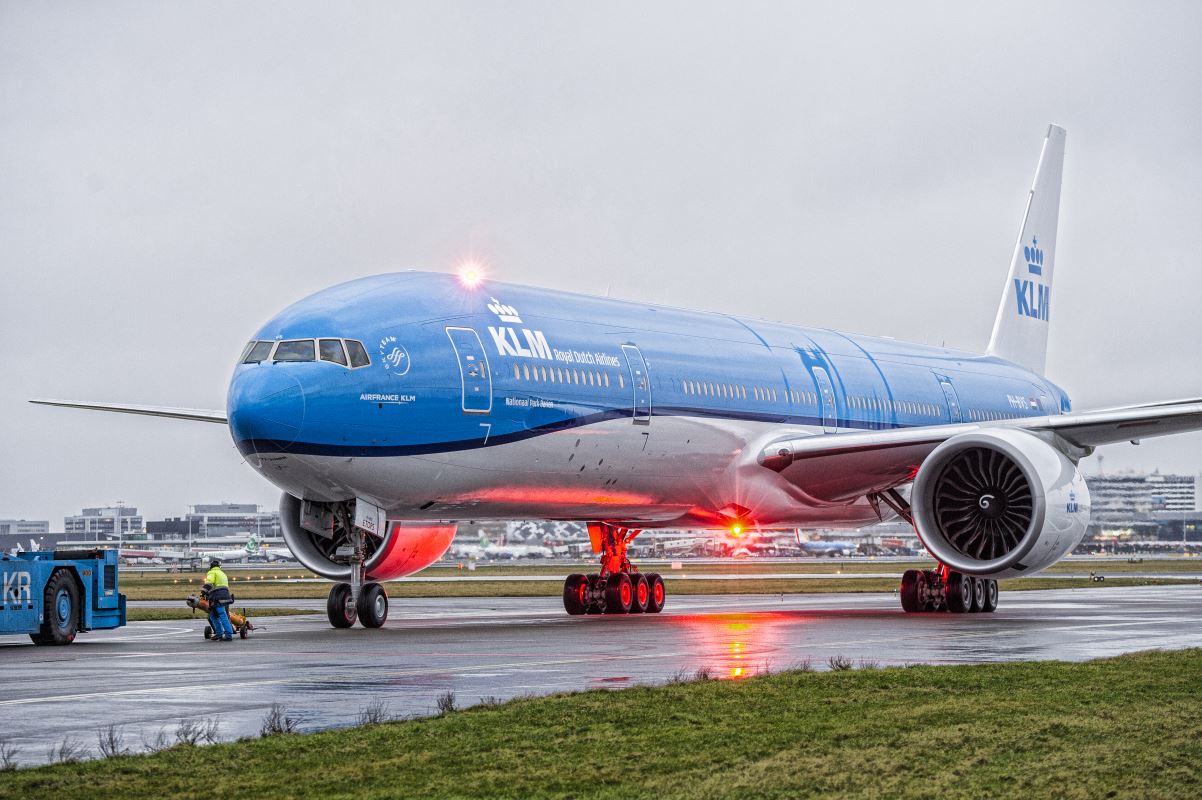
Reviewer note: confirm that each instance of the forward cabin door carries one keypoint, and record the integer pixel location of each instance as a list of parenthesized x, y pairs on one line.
[(640, 383), (473, 370)]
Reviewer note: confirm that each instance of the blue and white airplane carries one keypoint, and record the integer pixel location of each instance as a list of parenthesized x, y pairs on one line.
[(390, 407)]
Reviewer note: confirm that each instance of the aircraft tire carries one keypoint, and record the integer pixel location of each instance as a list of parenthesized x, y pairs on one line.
[(910, 591), (978, 595), (991, 596), (959, 592), (61, 604), (618, 593), (657, 593), (339, 609), (372, 607), (575, 594), (640, 593)]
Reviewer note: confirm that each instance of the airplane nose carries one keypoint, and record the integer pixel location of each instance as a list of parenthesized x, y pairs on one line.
[(266, 408)]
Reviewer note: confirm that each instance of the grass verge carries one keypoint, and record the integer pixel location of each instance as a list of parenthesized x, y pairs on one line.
[(1128, 726), (162, 614), (750, 585)]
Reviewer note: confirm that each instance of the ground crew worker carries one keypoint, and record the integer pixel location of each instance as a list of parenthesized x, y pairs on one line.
[(219, 597)]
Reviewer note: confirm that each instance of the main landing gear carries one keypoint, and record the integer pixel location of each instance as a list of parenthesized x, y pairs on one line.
[(944, 590), (366, 602), (619, 588)]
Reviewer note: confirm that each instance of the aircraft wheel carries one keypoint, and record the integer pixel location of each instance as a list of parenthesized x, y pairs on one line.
[(594, 583), (640, 593), (619, 594), (61, 611), (339, 608), (911, 591), (932, 600), (978, 595), (372, 607), (959, 592), (657, 593), (575, 594), (991, 596)]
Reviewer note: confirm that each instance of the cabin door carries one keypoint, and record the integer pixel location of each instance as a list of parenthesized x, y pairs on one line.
[(473, 370), (640, 383)]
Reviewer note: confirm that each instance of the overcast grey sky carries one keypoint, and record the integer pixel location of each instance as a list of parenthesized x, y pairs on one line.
[(172, 174)]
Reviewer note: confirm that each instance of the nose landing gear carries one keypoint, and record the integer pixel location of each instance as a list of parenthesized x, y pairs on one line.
[(367, 601), (619, 588)]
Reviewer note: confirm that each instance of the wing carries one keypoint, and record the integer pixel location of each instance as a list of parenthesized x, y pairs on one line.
[(191, 414), (823, 463)]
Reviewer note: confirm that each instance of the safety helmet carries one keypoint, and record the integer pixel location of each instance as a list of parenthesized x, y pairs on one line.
[(214, 563)]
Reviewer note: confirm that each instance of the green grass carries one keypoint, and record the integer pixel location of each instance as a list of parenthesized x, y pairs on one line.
[(751, 585), (262, 583), (1122, 727), (162, 614)]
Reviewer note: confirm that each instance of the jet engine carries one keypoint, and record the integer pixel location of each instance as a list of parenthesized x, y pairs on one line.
[(999, 503), (403, 549)]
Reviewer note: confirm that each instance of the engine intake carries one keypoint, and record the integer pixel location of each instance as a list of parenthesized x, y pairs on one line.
[(404, 548), (999, 503)]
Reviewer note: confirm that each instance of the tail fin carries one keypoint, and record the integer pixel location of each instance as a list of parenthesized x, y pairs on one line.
[(1020, 331)]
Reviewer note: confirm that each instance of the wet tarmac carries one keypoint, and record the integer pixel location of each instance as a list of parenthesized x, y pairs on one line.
[(147, 677)]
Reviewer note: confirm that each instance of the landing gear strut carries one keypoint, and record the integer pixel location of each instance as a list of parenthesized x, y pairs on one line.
[(365, 601), (945, 590), (619, 588)]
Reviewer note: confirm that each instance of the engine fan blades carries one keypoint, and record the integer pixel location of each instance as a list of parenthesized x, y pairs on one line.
[(983, 503)]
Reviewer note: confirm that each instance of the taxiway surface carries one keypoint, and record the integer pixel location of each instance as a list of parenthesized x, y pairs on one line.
[(147, 677)]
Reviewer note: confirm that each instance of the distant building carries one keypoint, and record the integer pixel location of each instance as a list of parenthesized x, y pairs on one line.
[(232, 520), (1134, 495), (98, 524), (24, 527)]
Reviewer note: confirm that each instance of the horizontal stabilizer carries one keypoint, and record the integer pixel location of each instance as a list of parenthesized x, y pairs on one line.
[(191, 414)]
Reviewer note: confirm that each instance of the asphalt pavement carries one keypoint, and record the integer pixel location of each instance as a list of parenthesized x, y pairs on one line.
[(146, 678)]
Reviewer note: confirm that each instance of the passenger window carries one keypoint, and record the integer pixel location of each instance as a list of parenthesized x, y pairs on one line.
[(295, 350), (517, 372), (606, 376), (526, 371), (331, 350), (258, 351), (621, 381), (357, 354)]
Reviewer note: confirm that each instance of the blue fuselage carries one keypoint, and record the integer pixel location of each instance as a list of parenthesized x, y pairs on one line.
[(469, 380)]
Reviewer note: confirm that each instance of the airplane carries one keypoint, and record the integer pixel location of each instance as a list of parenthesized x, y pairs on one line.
[(389, 408), (251, 549), (489, 549), (825, 547)]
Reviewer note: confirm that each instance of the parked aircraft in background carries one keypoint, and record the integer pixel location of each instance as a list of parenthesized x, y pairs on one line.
[(389, 408)]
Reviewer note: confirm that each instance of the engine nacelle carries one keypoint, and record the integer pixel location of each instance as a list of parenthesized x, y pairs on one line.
[(999, 503), (404, 548)]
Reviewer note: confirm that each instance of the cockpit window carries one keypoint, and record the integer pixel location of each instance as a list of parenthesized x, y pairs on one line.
[(246, 351), (357, 353), (295, 350), (257, 351), (331, 350)]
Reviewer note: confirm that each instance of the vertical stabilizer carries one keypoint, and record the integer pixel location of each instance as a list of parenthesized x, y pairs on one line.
[(1020, 331)]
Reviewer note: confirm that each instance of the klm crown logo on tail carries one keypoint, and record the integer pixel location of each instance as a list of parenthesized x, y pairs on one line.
[(1034, 257), (1034, 298)]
